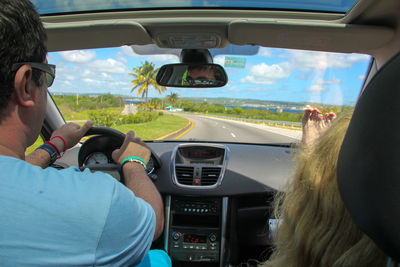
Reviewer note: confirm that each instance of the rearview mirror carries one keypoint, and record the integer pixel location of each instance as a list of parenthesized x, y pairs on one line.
[(192, 75)]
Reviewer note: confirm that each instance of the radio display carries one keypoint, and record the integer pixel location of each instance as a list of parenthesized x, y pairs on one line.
[(202, 153), (192, 238)]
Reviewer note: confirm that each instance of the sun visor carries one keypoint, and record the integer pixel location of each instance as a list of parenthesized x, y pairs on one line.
[(152, 49), (98, 34), (333, 37)]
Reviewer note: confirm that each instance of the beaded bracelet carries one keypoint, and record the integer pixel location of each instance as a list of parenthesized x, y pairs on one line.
[(137, 158), (133, 160)]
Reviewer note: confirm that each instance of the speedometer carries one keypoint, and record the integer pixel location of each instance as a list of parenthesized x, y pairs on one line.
[(96, 158)]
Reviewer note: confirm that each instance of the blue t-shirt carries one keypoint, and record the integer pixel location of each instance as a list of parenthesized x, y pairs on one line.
[(69, 218)]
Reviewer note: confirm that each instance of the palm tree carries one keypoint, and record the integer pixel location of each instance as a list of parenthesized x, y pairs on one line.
[(173, 98), (144, 78)]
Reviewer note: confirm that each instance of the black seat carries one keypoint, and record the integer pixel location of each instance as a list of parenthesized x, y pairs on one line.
[(368, 169)]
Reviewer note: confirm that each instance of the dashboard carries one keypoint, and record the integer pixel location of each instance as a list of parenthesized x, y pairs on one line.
[(218, 197)]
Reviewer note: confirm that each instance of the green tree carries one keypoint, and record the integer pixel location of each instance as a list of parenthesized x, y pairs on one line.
[(144, 78), (156, 103), (173, 98)]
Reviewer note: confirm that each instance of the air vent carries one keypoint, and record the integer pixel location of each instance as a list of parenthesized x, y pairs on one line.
[(184, 175), (209, 175)]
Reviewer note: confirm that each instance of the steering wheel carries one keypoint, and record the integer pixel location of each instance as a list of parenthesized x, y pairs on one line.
[(95, 153)]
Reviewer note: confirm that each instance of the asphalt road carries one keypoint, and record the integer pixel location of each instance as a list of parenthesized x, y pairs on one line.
[(210, 129)]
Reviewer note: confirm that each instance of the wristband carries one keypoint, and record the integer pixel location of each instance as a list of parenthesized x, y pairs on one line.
[(51, 144), (134, 159), (65, 143), (51, 151)]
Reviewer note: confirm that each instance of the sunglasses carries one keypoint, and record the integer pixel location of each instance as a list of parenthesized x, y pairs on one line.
[(49, 69), (199, 81)]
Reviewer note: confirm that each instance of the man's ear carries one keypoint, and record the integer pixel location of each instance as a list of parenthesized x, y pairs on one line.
[(24, 87)]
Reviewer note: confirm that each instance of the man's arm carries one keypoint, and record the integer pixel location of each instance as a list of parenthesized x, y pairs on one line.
[(71, 133), (136, 178)]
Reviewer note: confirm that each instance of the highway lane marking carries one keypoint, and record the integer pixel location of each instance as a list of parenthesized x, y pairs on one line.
[(233, 135), (185, 132)]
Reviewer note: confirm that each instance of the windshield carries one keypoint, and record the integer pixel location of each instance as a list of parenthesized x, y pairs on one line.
[(267, 91)]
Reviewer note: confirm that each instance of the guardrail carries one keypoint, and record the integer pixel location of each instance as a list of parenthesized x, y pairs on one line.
[(290, 124)]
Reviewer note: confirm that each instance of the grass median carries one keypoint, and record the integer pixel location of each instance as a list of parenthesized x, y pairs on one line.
[(154, 129), (163, 125)]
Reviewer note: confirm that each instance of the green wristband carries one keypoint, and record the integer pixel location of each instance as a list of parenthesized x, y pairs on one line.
[(137, 158)]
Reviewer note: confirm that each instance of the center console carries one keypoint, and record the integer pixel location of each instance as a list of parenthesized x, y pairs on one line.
[(195, 229), (195, 226)]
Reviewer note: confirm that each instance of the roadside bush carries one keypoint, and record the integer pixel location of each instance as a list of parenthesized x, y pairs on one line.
[(109, 119), (102, 118), (86, 102)]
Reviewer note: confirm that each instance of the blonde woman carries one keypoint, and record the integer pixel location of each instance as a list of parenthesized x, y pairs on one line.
[(316, 229)]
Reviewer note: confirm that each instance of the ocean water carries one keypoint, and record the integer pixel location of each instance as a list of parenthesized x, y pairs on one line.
[(298, 111)]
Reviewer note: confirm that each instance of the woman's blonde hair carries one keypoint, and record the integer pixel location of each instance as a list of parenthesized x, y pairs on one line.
[(316, 229)]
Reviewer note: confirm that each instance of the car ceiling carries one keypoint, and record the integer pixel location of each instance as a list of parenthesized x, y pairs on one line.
[(370, 27)]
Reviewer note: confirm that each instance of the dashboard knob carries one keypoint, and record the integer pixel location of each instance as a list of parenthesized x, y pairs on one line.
[(176, 236), (212, 237)]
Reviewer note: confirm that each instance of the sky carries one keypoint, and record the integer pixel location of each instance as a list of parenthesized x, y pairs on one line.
[(272, 74), (58, 6)]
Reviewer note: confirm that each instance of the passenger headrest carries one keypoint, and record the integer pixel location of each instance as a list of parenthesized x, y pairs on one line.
[(368, 169)]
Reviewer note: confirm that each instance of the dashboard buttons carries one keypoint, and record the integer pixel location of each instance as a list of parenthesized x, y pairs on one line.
[(212, 237), (176, 236), (199, 207)]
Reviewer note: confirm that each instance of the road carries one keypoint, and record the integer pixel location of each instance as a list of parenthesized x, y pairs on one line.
[(217, 130)]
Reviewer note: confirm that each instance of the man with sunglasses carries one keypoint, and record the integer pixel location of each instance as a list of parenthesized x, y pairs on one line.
[(63, 217)]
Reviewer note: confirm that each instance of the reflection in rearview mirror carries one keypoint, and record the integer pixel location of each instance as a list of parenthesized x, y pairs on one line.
[(192, 75)]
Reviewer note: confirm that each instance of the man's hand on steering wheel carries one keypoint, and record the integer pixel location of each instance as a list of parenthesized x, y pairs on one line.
[(71, 133), (132, 147)]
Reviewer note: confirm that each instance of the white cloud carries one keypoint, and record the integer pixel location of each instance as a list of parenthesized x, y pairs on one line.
[(69, 77), (105, 75), (86, 72), (361, 77), (316, 88), (331, 81), (357, 57), (78, 56), (320, 85), (267, 74), (88, 80), (311, 60), (109, 65), (314, 63), (121, 58)]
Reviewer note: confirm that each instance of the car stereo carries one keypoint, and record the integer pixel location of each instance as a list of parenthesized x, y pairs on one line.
[(195, 229)]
